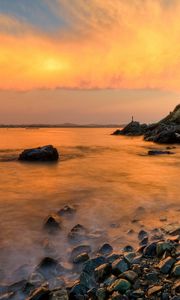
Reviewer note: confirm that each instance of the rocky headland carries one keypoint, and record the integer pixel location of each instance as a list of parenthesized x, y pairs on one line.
[(166, 131)]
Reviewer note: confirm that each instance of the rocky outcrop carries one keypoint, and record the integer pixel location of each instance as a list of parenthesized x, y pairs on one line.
[(42, 154), (166, 131), (163, 134), (132, 129)]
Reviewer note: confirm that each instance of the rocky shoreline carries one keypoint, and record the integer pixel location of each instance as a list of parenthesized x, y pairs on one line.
[(152, 271), (166, 131)]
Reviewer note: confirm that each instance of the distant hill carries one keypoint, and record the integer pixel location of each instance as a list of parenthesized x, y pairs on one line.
[(64, 125)]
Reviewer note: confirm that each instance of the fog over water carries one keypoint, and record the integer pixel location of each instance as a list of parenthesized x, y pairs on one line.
[(109, 179)]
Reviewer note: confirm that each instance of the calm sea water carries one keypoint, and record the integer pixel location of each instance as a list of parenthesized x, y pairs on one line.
[(109, 179)]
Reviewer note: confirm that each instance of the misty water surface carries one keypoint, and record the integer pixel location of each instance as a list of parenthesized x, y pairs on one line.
[(109, 179)]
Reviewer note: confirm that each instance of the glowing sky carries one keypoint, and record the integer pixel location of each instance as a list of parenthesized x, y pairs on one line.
[(81, 51)]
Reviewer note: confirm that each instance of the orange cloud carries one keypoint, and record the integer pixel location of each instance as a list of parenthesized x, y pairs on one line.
[(117, 44)]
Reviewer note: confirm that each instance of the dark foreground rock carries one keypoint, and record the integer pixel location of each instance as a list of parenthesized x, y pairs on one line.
[(42, 154), (52, 224)]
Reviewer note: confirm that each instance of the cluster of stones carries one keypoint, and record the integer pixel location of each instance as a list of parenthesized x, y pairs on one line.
[(150, 272)]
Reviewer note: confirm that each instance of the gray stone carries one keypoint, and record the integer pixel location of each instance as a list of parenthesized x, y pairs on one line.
[(166, 265), (105, 249), (161, 247), (129, 275), (93, 263), (120, 266), (150, 250), (81, 258), (176, 269), (102, 272), (79, 250), (142, 234), (154, 290), (120, 285), (77, 292)]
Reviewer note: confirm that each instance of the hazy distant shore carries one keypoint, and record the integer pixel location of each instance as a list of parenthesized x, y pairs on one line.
[(66, 125)]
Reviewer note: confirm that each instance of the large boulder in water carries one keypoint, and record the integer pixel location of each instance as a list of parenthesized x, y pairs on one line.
[(132, 129), (43, 154)]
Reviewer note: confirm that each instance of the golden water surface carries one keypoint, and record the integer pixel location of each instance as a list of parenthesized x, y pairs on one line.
[(109, 179)]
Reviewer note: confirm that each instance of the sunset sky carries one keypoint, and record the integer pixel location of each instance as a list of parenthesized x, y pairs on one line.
[(88, 61)]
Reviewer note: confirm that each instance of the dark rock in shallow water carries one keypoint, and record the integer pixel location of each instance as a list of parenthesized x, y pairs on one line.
[(79, 250), (120, 285), (159, 152), (166, 265), (102, 272), (78, 292), (112, 257), (49, 267), (66, 210), (105, 249), (40, 294), (132, 129), (150, 250), (88, 280), (142, 234), (78, 232), (120, 266), (128, 248), (162, 247), (52, 224), (129, 275), (81, 258), (43, 154), (93, 263)]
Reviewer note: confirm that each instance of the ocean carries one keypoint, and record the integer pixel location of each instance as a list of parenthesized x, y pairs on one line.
[(115, 187)]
